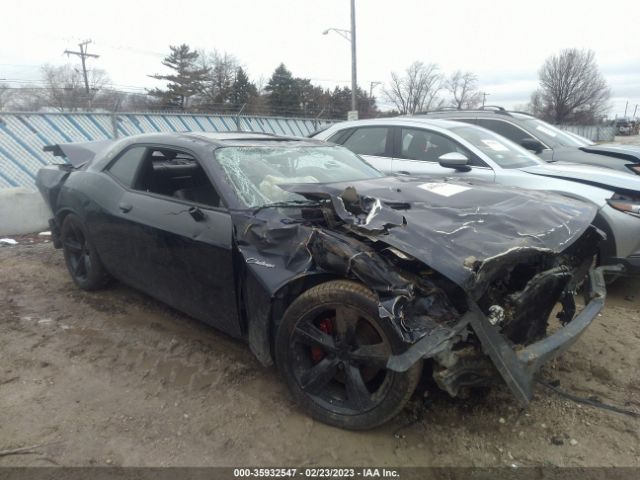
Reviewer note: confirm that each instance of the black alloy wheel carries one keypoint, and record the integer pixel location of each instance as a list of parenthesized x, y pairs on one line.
[(332, 349), (80, 255)]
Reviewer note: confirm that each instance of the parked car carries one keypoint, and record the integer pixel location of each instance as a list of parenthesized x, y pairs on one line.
[(348, 279), (456, 150), (623, 126), (547, 141)]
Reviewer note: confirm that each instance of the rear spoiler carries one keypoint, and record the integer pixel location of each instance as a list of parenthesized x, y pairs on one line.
[(78, 154)]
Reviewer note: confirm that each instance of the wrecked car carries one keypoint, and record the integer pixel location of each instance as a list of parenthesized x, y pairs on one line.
[(345, 278)]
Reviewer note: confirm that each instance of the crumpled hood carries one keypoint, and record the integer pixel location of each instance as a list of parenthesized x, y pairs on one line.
[(457, 227), (620, 150), (603, 177)]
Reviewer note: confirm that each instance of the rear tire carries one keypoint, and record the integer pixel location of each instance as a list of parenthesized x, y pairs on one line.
[(332, 348), (80, 255)]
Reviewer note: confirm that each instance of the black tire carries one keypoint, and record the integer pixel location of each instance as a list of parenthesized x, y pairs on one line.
[(331, 349), (80, 255)]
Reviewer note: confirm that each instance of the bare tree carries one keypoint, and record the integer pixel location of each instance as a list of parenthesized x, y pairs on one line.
[(463, 87), (417, 90), (571, 88), (64, 87), (218, 84)]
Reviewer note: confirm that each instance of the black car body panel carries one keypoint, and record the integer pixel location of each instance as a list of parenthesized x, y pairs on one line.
[(470, 261), (461, 235)]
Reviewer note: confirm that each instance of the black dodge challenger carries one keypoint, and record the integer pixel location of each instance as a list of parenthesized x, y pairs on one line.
[(347, 279)]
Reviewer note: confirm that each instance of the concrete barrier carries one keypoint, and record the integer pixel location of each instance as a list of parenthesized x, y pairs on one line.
[(22, 211)]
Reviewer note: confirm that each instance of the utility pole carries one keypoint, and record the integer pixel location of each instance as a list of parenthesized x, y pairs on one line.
[(350, 36), (83, 56), (635, 110), (354, 76), (625, 109), (484, 97)]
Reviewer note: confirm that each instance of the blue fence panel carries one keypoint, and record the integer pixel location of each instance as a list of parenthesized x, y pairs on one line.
[(23, 135)]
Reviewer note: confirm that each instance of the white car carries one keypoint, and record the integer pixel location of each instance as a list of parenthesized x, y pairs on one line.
[(442, 148)]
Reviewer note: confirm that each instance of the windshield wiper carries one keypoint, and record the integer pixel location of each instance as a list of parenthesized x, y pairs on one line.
[(288, 204)]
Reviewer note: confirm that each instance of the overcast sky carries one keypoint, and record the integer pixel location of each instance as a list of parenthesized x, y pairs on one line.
[(504, 42)]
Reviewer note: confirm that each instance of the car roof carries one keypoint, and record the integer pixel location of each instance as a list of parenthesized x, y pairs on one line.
[(404, 120), (488, 111), (220, 139)]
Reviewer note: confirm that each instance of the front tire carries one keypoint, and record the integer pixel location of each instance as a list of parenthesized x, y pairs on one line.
[(80, 255), (332, 348)]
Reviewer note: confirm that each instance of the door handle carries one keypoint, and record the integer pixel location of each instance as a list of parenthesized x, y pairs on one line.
[(125, 207), (197, 214), (403, 172)]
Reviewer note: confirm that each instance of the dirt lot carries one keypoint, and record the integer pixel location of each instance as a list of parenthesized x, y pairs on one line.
[(115, 378)]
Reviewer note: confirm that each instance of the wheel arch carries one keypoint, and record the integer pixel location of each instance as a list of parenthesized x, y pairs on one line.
[(608, 246), (264, 309)]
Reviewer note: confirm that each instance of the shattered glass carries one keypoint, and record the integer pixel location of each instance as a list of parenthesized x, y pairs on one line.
[(257, 174)]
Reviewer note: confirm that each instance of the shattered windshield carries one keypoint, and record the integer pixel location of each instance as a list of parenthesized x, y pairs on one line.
[(257, 173), (502, 151)]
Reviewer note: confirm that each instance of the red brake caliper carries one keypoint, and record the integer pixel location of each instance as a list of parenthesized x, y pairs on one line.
[(326, 325)]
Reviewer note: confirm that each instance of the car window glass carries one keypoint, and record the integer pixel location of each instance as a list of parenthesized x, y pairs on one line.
[(552, 135), (259, 175), (178, 175), (126, 165), (425, 145), (338, 136), (506, 129), (501, 150), (368, 141)]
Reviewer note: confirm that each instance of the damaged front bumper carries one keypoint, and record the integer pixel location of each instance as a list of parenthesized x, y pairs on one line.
[(516, 366)]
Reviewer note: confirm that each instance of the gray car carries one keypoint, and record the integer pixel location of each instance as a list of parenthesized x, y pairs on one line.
[(439, 148), (548, 142)]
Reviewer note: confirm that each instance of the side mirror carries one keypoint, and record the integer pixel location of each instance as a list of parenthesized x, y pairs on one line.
[(454, 160), (532, 144)]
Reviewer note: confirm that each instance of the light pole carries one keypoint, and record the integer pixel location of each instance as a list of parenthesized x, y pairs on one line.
[(373, 85), (350, 35)]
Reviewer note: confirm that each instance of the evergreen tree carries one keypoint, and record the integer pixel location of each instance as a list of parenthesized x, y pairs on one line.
[(185, 81), (284, 92), (340, 103), (242, 90), (313, 99)]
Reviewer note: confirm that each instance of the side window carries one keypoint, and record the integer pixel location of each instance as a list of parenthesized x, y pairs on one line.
[(127, 165), (429, 146), (368, 141), (178, 175), (339, 136), (507, 130)]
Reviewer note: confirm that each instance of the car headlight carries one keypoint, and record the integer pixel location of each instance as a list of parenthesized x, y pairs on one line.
[(626, 203)]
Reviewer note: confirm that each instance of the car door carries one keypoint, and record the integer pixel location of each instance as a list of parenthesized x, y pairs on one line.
[(418, 150), (180, 238), (115, 237), (373, 143)]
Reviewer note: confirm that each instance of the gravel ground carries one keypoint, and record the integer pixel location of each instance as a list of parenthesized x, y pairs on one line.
[(116, 378)]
